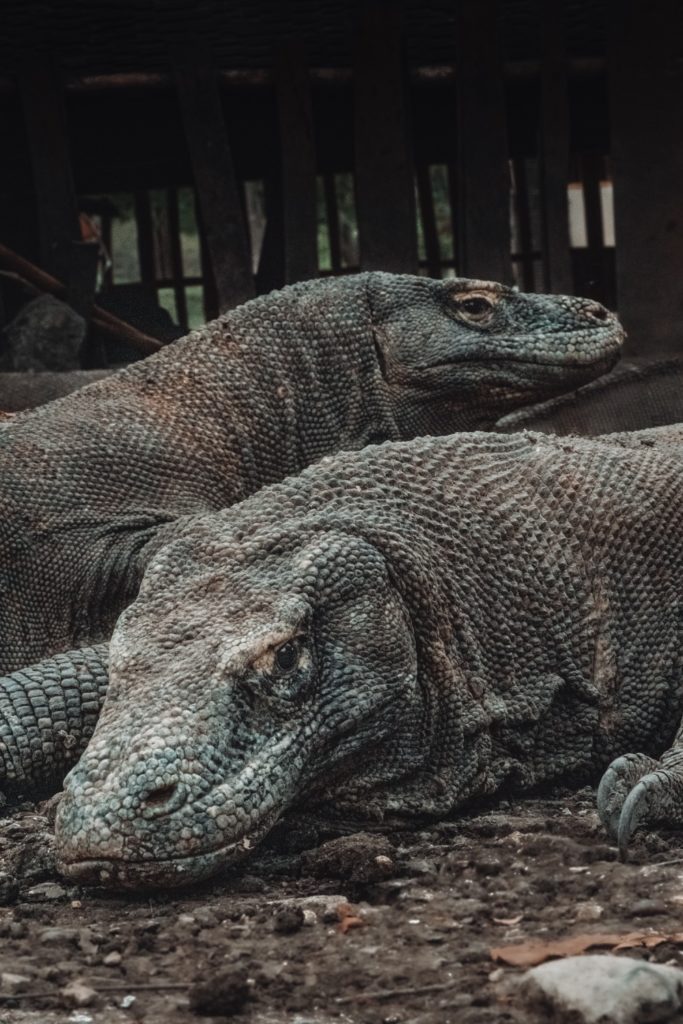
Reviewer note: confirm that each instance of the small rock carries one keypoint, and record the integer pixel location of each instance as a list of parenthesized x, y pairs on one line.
[(592, 988), (646, 908), (310, 917), (221, 994), (46, 891), (58, 936), (360, 858), (288, 920), (12, 983), (112, 959), (589, 911), (77, 993)]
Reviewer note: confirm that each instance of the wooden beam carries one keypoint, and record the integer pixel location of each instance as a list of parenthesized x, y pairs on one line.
[(646, 98), (484, 176), (222, 215), (554, 151), (45, 120), (385, 186), (297, 148), (15, 266)]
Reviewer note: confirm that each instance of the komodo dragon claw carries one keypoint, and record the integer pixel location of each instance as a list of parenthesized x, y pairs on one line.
[(636, 790)]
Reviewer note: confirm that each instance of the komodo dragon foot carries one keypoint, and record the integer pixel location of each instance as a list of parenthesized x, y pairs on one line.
[(637, 790)]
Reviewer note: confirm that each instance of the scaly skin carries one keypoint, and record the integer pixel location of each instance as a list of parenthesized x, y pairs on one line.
[(392, 633), (90, 480)]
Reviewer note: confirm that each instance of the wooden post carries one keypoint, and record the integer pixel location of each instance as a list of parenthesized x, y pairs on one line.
[(646, 98), (222, 215), (385, 186), (554, 151), (484, 175), (297, 147), (45, 120)]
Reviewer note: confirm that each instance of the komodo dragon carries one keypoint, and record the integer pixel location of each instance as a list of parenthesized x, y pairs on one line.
[(89, 480), (392, 633), (632, 397)]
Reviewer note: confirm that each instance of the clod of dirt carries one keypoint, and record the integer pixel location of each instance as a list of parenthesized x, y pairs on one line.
[(288, 920), (359, 858), (608, 989), (220, 995)]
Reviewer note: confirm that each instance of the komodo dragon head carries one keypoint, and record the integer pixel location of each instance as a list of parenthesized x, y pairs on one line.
[(246, 679), (451, 351)]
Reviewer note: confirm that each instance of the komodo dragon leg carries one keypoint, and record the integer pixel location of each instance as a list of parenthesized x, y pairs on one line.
[(47, 716), (637, 789)]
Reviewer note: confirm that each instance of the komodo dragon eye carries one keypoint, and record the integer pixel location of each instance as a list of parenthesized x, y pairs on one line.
[(287, 657), (474, 307)]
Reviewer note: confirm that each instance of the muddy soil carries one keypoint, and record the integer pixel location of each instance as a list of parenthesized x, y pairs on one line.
[(393, 929)]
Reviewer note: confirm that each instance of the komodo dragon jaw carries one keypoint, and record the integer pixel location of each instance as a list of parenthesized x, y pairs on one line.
[(294, 694)]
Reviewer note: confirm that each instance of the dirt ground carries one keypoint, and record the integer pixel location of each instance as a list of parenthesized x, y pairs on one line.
[(395, 929)]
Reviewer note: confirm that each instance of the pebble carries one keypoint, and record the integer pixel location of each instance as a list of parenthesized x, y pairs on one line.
[(112, 959), (646, 908), (288, 920), (11, 983), (46, 891), (589, 911), (58, 936)]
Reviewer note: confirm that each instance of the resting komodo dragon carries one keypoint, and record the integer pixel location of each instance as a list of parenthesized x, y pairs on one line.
[(88, 481), (388, 635)]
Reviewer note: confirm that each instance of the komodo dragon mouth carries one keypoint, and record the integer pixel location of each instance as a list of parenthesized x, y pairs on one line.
[(159, 872)]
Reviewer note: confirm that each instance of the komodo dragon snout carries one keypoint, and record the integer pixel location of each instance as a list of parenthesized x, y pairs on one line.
[(262, 677)]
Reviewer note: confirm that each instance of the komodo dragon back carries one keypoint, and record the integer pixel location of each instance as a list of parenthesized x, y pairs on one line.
[(391, 634), (256, 395)]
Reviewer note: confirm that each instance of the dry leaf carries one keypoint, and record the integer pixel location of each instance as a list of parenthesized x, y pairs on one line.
[(508, 920), (536, 951), (348, 918)]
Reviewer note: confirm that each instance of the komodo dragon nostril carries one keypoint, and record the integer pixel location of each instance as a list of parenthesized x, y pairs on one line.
[(164, 800)]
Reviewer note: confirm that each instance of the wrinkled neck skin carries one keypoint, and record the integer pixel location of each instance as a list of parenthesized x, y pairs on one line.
[(317, 377)]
